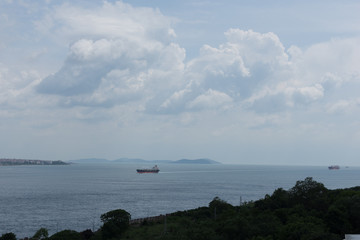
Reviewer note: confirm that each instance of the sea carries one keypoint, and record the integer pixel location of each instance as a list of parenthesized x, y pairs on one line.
[(74, 196)]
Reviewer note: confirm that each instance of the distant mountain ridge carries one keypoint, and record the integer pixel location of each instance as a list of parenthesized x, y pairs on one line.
[(139, 160), (197, 161), (90, 160)]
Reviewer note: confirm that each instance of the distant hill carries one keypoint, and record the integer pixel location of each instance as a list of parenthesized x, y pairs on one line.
[(131, 160), (196, 161), (139, 160), (90, 160)]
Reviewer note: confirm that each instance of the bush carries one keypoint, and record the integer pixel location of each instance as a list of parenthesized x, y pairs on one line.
[(66, 235), (8, 236), (41, 234)]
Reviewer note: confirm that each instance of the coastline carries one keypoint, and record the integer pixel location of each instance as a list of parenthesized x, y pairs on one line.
[(16, 162)]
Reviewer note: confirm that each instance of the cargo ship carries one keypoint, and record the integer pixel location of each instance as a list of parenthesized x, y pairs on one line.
[(334, 167), (155, 169)]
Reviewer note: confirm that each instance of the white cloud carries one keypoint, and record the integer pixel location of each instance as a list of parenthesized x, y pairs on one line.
[(211, 99), (341, 106), (86, 49), (122, 54), (125, 56), (19, 104), (336, 55), (284, 96), (13, 85), (250, 69), (257, 47), (308, 94), (325, 71), (111, 20), (237, 69), (175, 99)]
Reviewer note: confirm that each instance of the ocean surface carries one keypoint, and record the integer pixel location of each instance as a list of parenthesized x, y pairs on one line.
[(74, 196)]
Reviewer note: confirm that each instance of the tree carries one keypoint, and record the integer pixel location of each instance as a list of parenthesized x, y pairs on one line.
[(115, 223), (309, 193), (66, 235), (8, 236), (41, 234), (218, 206), (307, 188), (307, 228)]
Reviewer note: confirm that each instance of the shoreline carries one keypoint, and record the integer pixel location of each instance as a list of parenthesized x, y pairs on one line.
[(19, 162)]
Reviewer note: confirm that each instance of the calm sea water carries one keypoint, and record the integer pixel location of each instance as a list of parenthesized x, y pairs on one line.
[(74, 196)]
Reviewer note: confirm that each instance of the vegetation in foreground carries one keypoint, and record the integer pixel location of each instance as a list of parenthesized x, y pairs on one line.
[(308, 211)]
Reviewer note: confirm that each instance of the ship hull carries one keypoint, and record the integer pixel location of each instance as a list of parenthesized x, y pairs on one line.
[(147, 171), (155, 169)]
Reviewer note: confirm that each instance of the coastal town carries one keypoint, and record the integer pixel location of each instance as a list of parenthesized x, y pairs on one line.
[(11, 162)]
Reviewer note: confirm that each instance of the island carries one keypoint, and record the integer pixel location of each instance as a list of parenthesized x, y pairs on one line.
[(12, 162), (196, 161)]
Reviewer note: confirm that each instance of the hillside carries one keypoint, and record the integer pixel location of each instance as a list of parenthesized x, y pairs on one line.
[(196, 161)]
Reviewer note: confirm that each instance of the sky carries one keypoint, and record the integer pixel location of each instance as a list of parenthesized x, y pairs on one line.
[(239, 82)]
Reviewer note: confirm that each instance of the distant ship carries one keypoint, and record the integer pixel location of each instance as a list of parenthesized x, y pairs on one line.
[(155, 169), (334, 167)]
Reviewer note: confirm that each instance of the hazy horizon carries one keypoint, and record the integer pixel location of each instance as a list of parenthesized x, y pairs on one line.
[(239, 82)]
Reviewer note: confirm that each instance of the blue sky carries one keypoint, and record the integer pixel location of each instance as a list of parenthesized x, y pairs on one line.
[(248, 82)]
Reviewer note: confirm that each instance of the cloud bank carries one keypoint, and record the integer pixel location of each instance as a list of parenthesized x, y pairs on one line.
[(124, 55)]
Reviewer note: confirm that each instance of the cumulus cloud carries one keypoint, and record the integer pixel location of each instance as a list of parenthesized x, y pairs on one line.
[(236, 69), (123, 54), (336, 55), (210, 99), (238, 66), (257, 47), (13, 85), (284, 96), (323, 71)]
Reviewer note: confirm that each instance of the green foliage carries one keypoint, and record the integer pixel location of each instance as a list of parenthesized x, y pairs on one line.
[(87, 234), (66, 235), (8, 236), (115, 223), (41, 234), (304, 228), (218, 207), (306, 211), (310, 194), (118, 216), (307, 188)]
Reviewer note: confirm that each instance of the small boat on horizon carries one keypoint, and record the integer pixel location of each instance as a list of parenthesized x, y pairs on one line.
[(154, 169), (334, 167)]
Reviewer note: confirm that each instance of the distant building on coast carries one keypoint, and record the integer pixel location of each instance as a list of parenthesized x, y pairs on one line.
[(352, 237), (10, 162)]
